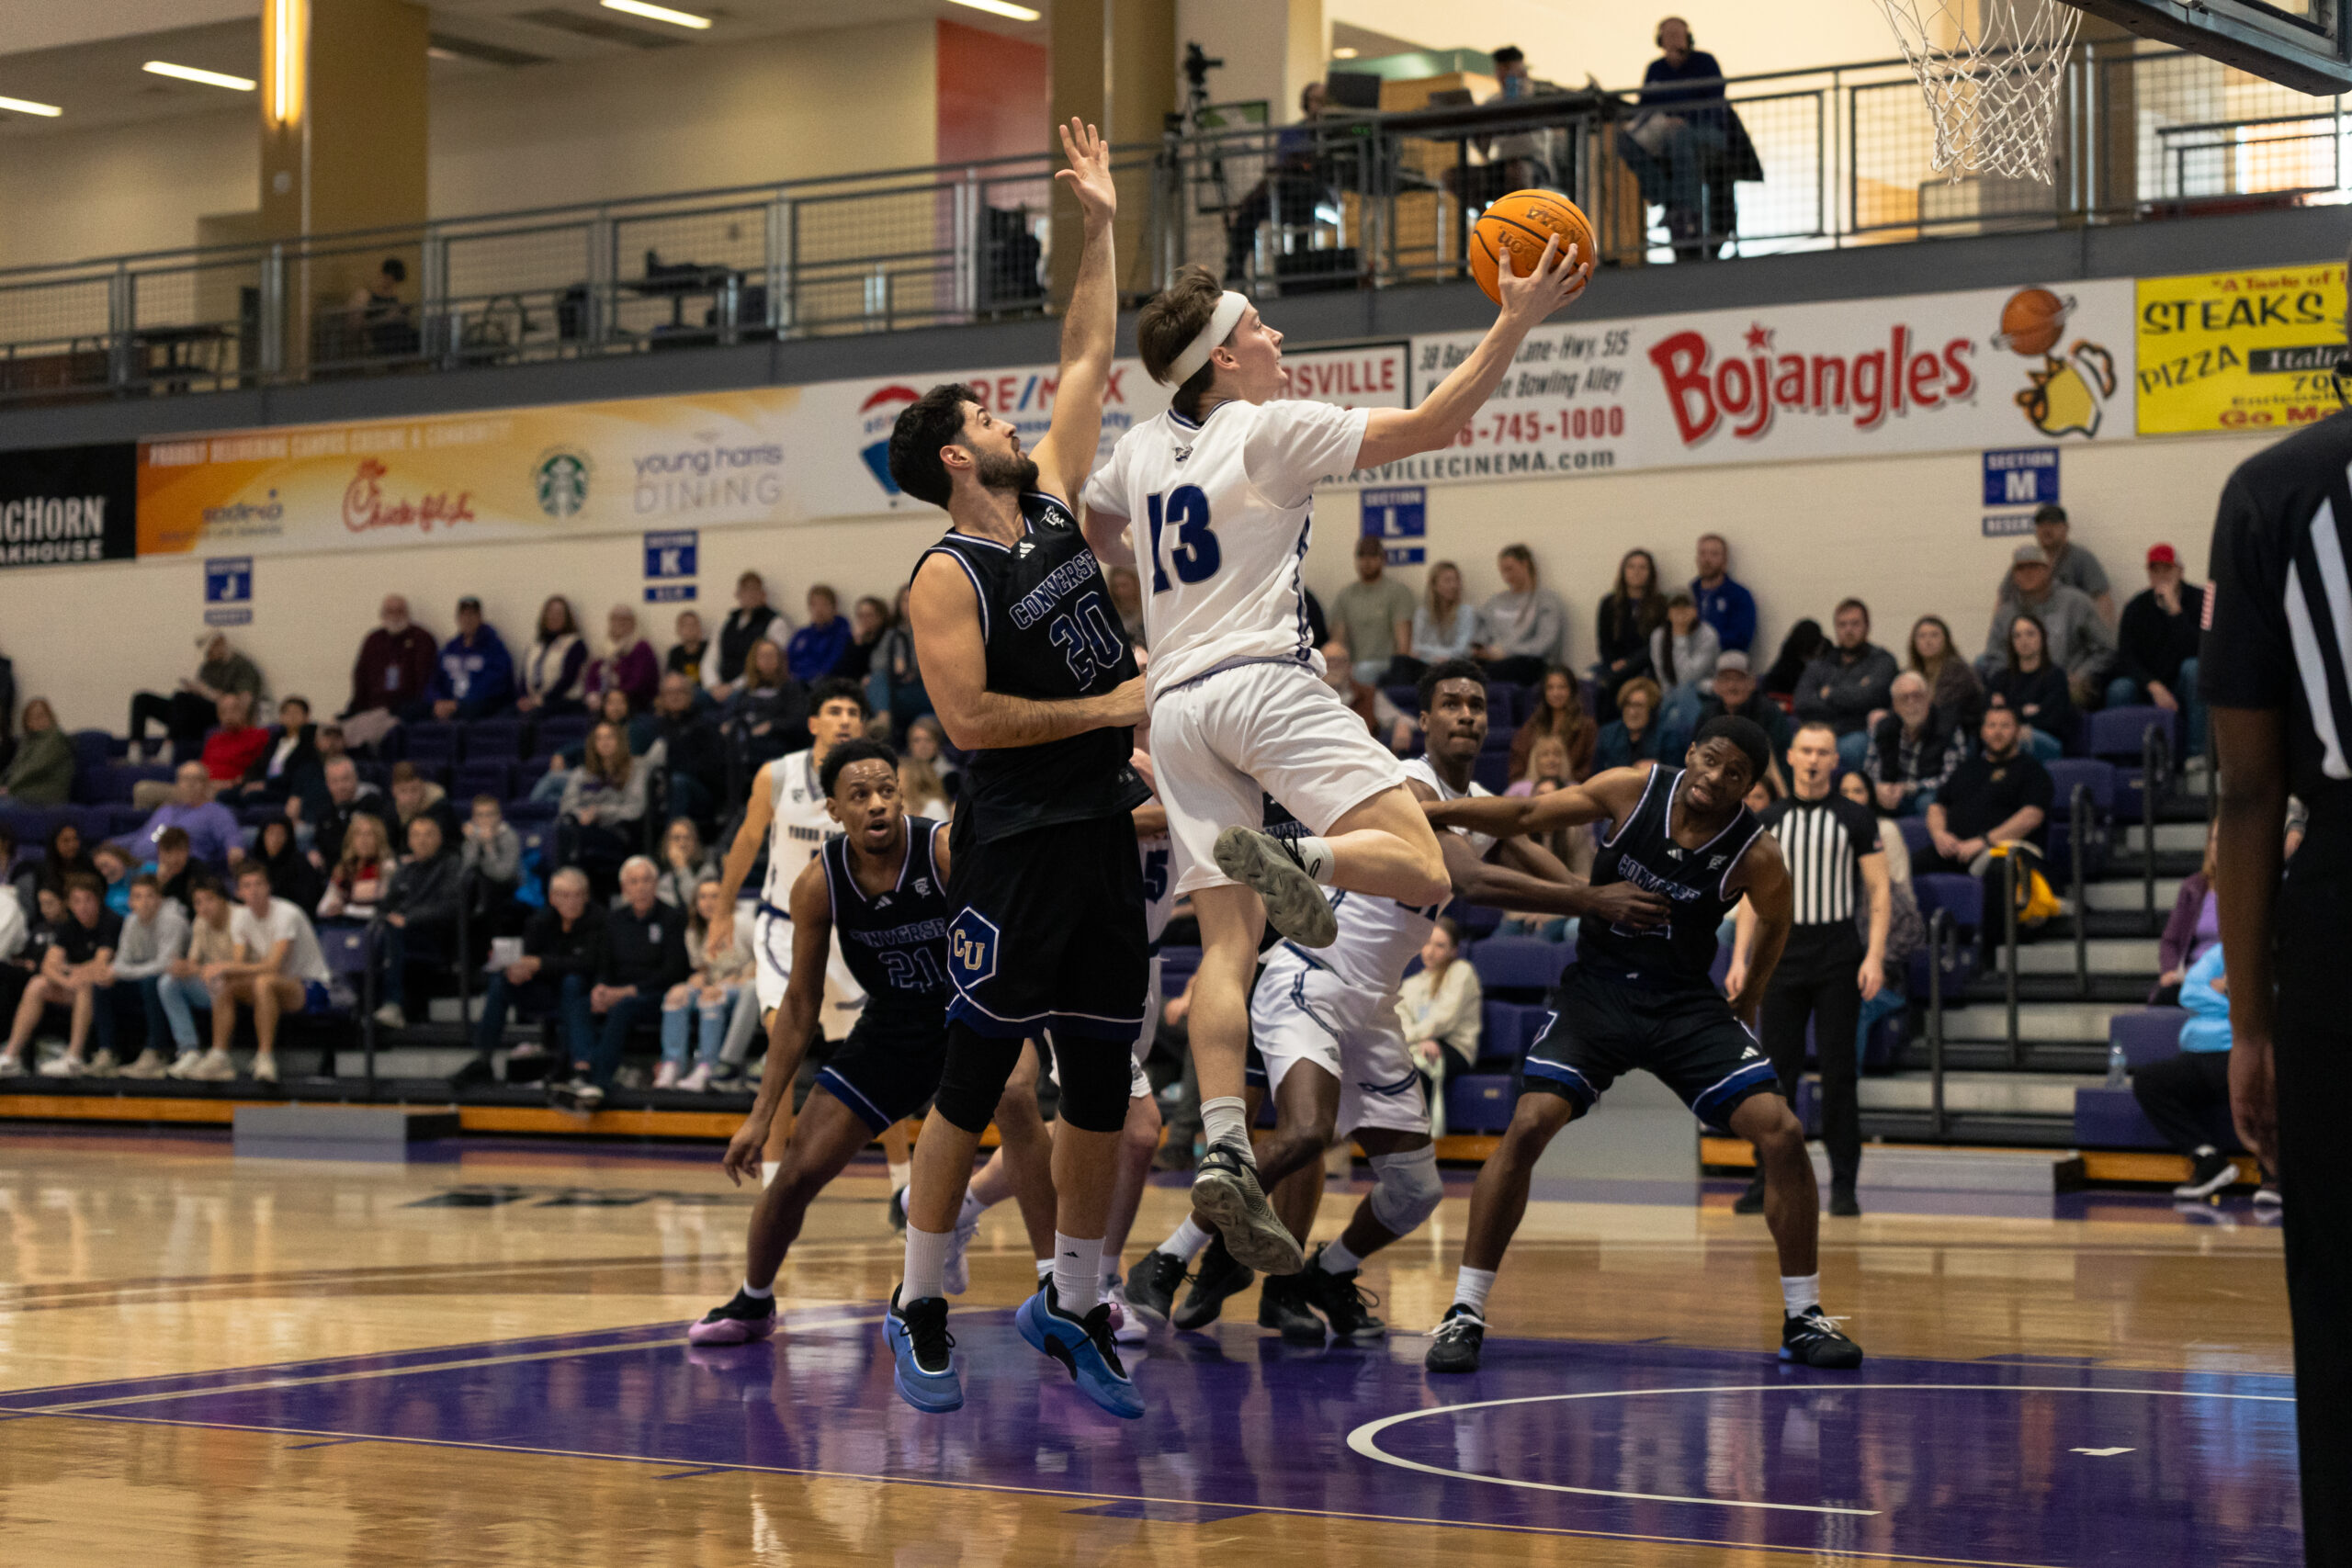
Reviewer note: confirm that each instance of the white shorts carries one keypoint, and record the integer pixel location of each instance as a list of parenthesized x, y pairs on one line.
[(772, 947), (1302, 1012), (1220, 741), (1138, 1081)]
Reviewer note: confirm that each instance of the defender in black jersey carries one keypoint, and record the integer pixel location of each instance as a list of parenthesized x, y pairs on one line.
[(1026, 667), (1645, 999), (882, 883)]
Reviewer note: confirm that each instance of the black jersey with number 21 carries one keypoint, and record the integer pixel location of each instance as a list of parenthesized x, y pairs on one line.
[(895, 943)]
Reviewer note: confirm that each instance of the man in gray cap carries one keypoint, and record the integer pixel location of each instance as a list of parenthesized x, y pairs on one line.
[(2079, 640), (1735, 691), (2069, 562)]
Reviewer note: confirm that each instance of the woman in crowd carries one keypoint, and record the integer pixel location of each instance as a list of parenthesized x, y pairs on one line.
[(705, 1003), (1547, 770), (1440, 1008), (41, 773), (1682, 656), (927, 738), (630, 667), (2194, 926), (1632, 737), (114, 871), (1444, 626), (603, 807), (896, 659), (869, 619), (1629, 612), (2035, 688), (770, 710), (291, 875), (1953, 687), (610, 707), (685, 864), (358, 884), (1524, 626), (551, 671), (67, 854), (1559, 714), (922, 788), (1803, 644)]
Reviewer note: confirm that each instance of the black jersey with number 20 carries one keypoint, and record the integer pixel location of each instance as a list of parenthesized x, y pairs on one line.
[(1641, 851)]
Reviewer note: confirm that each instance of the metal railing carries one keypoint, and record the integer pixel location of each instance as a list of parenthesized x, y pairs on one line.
[(1797, 160)]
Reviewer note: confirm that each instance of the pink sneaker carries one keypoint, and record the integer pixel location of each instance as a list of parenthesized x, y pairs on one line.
[(740, 1322)]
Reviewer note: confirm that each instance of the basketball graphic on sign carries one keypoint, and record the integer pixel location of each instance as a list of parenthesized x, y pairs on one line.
[(2067, 393), (2033, 322)]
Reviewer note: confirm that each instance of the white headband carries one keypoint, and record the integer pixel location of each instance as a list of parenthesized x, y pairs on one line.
[(1222, 321)]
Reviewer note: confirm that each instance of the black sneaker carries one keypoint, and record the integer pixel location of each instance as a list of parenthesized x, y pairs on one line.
[(1752, 1201), (1228, 1195), (1217, 1276), (1151, 1287), (1455, 1344), (475, 1072), (740, 1321), (1811, 1340), (1282, 1306), (1842, 1201), (1339, 1298), (2212, 1172), (575, 1094)]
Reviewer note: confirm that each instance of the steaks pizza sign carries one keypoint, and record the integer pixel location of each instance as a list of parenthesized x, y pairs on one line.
[(1919, 373)]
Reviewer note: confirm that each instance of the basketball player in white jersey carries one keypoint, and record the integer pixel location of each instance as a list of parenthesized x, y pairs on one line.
[(1214, 498)]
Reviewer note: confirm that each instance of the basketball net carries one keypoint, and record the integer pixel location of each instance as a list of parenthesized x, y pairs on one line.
[(1992, 88)]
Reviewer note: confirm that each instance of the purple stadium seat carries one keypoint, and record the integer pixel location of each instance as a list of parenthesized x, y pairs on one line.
[(2112, 1119), (2117, 732), (492, 740), (1518, 963), (1963, 896), (1476, 919), (1915, 834), (1478, 1102), (2150, 1035)]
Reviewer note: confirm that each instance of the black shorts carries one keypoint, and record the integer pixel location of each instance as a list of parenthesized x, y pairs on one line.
[(888, 1067), (1048, 930), (1687, 1038)]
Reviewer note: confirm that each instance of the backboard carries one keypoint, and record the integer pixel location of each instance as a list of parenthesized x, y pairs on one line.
[(2299, 43)]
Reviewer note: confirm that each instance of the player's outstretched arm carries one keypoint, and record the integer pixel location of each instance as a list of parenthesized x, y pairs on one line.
[(954, 656), (1506, 816), (793, 1024), (1089, 324), (759, 815), (1764, 877), (1497, 887), (1393, 433)]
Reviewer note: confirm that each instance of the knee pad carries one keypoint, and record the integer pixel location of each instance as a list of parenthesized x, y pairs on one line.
[(973, 1078), (1406, 1189), (1095, 1076)]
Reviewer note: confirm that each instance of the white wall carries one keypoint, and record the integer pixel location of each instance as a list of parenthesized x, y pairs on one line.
[(1566, 39), (125, 188)]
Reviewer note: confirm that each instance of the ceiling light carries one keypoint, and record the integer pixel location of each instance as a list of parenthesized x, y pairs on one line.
[(657, 13), (24, 106), (1343, 52), (1003, 8), (209, 78)]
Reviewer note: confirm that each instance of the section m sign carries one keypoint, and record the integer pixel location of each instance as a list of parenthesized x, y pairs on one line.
[(2021, 476)]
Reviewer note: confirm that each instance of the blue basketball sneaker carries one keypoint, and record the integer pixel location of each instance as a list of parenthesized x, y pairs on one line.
[(920, 1344), (1085, 1346)]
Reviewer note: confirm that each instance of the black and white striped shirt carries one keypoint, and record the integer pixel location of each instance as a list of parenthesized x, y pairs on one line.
[(1823, 841)]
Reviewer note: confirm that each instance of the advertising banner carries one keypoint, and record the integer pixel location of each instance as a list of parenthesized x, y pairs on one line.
[(1853, 378), (2239, 350), (64, 504)]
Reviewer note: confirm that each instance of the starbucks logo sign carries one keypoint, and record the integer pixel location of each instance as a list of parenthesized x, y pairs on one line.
[(562, 483)]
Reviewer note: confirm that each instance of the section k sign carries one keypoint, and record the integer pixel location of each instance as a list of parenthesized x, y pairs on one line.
[(1991, 367)]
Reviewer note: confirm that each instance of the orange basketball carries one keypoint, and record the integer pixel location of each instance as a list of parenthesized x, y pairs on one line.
[(1521, 223)]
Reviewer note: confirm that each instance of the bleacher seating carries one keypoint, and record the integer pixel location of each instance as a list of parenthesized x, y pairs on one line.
[(1478, 1102), (1521, 968), (2097, 779)]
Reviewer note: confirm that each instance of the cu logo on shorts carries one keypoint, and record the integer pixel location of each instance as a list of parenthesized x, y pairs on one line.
[(971, 948)]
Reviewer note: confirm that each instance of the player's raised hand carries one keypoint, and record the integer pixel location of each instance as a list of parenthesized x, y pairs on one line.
[(1089, 171), (1558, 277)]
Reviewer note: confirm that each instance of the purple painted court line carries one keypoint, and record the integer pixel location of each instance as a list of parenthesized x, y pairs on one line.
[(1977, 1461)]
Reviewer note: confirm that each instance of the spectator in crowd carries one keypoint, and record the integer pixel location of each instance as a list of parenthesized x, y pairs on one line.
[(1441, 1009), (705, 1004), (1381, 716), (307, 800), (44, 910), (1289, 190), (1915, 751), (613, 708), (347, 797), (289, 753), (869, 618), (769, 712), (356, 886), (2157, 651), (562, 945), (691, 749), (1682, 656), (1517, 160), (21, 879), (420, 912), (552, 677), (1723, 603), (186, 982), (154, 937), (1735, 692), (1444, 626), (1850, 685), (68, 856), (1680, 143), (1547, 770), (41, 772), (212, 833), (2193, 928), (603, 805), (922, 789), (2035, 689), (685, 864), (291, 875), (630, 668), (1374, 614), (2078, 639), (1952, 686), (415, 795), (114, 865), (175, 867), (476, 678), (2072, 564), (927, 742), (390, 676), (1998, 798), (1126, 597), (380, 325), (279, 972), (1906, 933), (751, 622), (902, 675), (190, 710), (238, 744), (642, 957), (811, 652), (1629, 611), (76, 974), (689, 655), (1805, 643), (491, 853), (1632, 735), (2186, 1097), (1559, 715), (1525, 625)]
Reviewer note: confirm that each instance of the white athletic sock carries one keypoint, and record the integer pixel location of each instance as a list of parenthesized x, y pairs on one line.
[(1470, 1288), (900, 1175), (971, 1210), (1335, 1258), (756, 1294), (926, 1263), (1315, 855), (1045, 1270), (1225, 1120), (1798, 1292), (768, 1167), (1078, 1273), (1186, 1241)]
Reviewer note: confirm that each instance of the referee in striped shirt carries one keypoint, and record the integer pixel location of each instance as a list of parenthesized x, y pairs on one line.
[(1826, 974), (2274, 673)]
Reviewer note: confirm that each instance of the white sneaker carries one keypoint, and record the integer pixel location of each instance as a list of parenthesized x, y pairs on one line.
[(1129, 1329), (213, 1067), (183, 1066), (697, 1081), (389, 1016), (11, 1064), (955, 1269), (65, 1066), (149, 1064), (265, 1068), (102, 1066), (666, 1075)]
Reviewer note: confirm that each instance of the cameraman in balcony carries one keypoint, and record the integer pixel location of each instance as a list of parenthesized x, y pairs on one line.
[(1686, 146), (1293, 187)]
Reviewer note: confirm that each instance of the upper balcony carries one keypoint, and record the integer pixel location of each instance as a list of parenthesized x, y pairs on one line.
[(1841, 158)]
